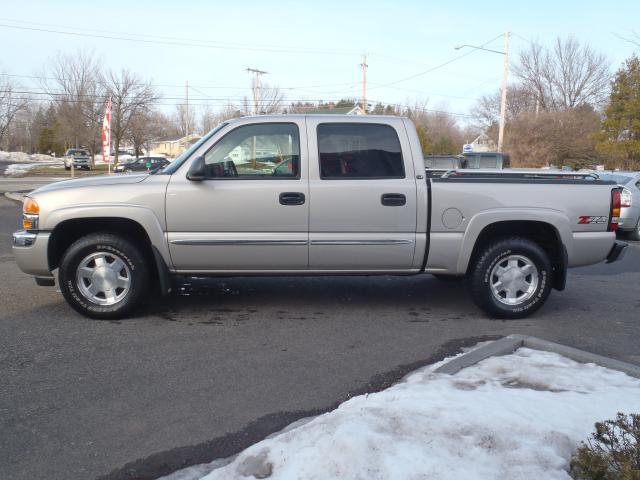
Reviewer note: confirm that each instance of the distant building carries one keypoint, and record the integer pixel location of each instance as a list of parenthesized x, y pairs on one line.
[(329, 110), (483, 143), (173, 146)]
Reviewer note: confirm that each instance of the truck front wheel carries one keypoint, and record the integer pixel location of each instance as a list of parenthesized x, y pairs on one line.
[(103, 276), (511, 278)]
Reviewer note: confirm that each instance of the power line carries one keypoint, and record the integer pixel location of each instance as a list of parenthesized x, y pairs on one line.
[(183, 43), (211, 101), (181, 86), (437, 67), (88, 96)]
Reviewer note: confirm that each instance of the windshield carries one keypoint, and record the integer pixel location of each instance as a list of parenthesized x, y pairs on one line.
[(78, 153), (173, 166)]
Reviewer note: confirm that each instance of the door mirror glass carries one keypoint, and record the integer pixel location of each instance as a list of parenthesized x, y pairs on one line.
[(196, 170)]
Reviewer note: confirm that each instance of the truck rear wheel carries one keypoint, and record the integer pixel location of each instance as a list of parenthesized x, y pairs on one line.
[(635, 233), (511, 278), (103, 276)]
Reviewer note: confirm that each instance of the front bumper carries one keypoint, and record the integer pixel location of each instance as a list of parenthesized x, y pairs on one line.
[(30, 252), (617, 252)]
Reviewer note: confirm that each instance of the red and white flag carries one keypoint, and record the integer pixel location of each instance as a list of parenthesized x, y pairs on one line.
[(106, 134)]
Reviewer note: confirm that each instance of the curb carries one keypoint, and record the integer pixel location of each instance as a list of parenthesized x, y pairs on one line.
[(511, 343), (15, 196)]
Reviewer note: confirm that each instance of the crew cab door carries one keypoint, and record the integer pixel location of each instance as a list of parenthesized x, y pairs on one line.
[(251, 210), (363, 195)]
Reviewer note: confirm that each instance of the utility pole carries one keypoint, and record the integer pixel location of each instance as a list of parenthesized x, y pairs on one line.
[(186, 116), (503, 102), (255, 87), (364, 66)]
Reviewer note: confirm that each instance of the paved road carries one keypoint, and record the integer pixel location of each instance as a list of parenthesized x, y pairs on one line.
[(10, 184), (209, 371)]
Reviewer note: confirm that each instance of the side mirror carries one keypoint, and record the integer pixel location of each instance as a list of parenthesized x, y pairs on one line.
[(196, 170)]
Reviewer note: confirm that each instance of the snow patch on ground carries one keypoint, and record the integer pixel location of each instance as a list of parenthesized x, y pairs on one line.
[(23, 168), (518, 416), (23, 162), (21, 157)]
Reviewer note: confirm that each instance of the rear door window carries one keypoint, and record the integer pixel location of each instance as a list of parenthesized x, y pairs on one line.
[(359, 151)]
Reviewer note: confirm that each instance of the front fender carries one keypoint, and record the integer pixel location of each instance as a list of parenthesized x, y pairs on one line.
[(137, 213)]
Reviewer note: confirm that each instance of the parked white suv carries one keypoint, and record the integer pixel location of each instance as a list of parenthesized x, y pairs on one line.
[(78, 157)]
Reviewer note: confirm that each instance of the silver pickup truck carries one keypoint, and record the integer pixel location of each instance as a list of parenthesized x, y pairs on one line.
[(315, 195)]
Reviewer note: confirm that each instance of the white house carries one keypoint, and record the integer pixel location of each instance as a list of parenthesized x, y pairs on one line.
[(483, 143)]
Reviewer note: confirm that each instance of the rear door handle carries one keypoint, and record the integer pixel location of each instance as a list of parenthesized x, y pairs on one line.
[(393, 199), (291, 198)]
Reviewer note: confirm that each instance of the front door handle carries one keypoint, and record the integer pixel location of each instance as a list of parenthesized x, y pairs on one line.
[(291, 198), (393, 199)]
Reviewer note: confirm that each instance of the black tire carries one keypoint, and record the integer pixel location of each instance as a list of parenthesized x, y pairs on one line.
[(67, 168), (495, 254), (635, 233), (110, 244)]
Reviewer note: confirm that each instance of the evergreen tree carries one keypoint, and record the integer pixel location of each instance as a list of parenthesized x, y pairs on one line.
[(620, 136)]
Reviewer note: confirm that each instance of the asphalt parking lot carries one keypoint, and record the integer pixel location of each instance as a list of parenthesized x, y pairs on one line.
[(222, 363)]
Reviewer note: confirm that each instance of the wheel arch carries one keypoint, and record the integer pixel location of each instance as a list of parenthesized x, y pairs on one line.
[(137, 224), (546, 234)]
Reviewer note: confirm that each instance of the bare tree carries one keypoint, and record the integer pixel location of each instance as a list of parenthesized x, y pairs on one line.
[(75, 87), (131, 95), (184, 118), (439, 130), (565, 76), (209, 118), (269, 99), (486, 111), (11, 103), (566, 137)]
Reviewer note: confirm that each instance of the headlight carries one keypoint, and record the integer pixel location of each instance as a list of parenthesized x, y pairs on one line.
[(30, 214)]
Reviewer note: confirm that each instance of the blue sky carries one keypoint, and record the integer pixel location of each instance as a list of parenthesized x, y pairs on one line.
[(401, 38)]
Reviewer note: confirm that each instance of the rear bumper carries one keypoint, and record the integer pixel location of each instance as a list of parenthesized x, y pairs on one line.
[(617, 252), (30, 252)]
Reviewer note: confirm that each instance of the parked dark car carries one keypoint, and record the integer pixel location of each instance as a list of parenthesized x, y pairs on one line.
[(142, 164)]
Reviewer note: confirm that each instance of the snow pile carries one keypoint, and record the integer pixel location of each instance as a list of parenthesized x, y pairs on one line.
[(23, 168), (518, 417), (21, 157), (23, 162)]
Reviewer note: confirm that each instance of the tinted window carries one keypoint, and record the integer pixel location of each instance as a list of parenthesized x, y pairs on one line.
[(256, 151), (359, 151)]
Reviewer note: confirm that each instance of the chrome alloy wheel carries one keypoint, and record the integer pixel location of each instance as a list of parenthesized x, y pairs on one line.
[(514, 280), (103, 278)]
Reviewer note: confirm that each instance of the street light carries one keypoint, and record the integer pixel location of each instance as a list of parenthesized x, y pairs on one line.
[(505, 78)]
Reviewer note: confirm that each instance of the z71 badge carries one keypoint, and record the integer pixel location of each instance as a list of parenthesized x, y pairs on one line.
[(588, 220)]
